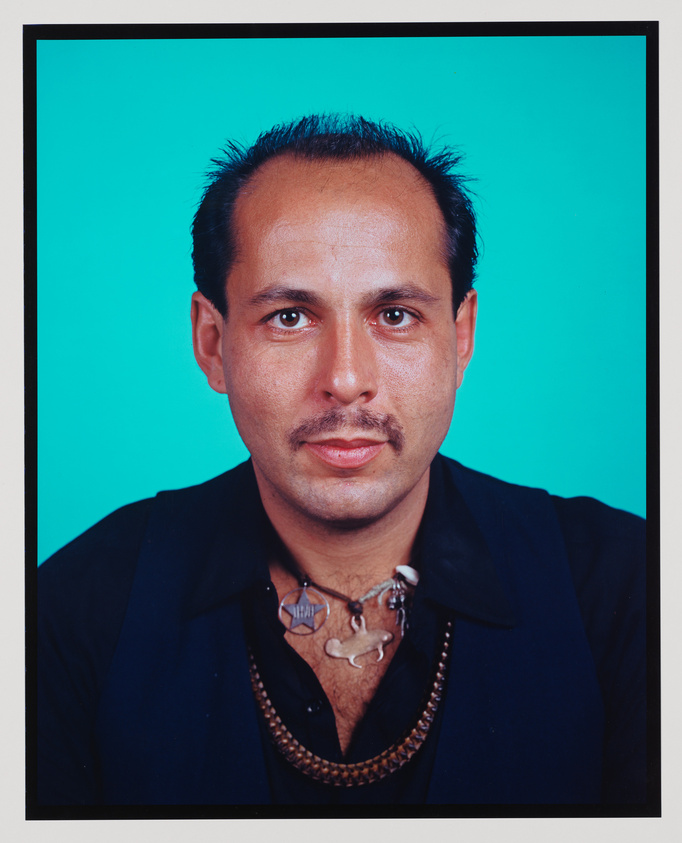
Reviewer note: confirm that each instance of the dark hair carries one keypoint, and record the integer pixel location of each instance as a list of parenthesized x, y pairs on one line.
[(331, 137)]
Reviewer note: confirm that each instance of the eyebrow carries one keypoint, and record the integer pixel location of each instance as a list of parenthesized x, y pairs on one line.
[(388, 295), (281, 294)]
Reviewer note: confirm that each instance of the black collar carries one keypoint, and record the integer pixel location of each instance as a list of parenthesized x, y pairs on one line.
[(457, 570)]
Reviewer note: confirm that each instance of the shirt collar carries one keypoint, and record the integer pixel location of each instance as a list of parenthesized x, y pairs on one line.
[(457, 569), (237, 557)]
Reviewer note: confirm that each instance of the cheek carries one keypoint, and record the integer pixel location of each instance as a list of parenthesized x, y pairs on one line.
[(264, 385), (422, 383)]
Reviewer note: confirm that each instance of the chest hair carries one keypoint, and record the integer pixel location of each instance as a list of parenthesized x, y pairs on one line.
[(349, 689)]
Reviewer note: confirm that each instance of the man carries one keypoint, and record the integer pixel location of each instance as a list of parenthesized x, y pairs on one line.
[(349, 617)]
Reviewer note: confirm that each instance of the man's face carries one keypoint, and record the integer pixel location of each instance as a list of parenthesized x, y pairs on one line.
[(340, 353)]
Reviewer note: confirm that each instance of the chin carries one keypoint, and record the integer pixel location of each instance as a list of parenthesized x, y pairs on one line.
[(349, 505)]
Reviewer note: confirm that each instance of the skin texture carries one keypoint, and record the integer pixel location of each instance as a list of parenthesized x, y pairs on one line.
[(341, 358)]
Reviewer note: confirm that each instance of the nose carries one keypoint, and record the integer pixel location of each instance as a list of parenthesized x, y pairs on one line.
[(347, 364)]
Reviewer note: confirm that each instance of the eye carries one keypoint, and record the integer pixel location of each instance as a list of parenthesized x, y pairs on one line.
[(289, 318), (396, 317)]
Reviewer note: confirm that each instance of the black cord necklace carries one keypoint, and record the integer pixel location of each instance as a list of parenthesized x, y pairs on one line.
[(305, 616)]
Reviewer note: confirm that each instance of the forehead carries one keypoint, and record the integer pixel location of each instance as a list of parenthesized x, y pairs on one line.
[(377, 199)]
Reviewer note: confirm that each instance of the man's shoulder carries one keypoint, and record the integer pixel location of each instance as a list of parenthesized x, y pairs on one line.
[(582, 518), (83, 589), (118, 536), (587, 520), (606, 548)]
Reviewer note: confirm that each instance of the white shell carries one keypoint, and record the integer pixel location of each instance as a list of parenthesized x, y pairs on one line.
[(409, 573)]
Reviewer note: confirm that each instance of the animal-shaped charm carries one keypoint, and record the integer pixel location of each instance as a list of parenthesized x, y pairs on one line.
[(359, 643)]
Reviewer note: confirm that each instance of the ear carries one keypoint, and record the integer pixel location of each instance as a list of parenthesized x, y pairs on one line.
[(465, 323), (207, 338)]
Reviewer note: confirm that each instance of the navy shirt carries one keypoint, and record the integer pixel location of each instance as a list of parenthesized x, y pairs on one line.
[(84, 593)]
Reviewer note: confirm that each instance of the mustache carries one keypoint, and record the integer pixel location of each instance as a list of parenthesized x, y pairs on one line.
[(336, 419)]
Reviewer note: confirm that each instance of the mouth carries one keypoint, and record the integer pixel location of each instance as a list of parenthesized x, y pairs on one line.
[(346, 453)]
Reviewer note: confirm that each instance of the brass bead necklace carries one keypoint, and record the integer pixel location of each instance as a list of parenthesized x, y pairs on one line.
[(362, 772)]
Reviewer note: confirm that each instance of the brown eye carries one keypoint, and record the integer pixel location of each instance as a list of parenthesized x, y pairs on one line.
[(396, 317), (291, 318)]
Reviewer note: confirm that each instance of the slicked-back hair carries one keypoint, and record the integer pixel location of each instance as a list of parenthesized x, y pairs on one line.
[(328, 137)]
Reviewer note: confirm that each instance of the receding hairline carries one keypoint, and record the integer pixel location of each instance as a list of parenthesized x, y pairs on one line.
[(360, 161), (413, 180)]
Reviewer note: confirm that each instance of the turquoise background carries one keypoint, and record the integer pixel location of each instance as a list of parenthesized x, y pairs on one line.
[(554, 131)]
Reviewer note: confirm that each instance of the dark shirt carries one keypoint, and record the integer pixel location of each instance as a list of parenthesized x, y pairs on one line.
[(84, 593)]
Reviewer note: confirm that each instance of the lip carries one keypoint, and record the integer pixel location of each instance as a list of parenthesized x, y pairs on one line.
[(346, 453)]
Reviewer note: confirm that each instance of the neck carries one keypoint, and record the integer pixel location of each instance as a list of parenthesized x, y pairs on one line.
[(348, 558)]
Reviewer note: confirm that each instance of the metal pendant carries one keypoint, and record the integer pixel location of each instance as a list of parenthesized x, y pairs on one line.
[(303, 610), (360, 642)]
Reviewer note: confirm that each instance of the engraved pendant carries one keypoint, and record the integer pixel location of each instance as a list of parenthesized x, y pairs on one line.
[(359, 643), (303, 610)]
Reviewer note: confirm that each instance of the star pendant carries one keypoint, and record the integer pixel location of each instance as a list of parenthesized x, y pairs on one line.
[(303, 611)]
